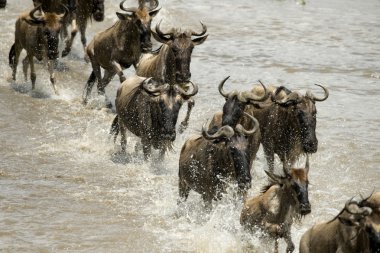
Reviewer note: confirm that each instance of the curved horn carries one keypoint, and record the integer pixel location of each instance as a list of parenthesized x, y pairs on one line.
[(204, 30), (121, 6), (148, 88), (239, 128), (292, 98), (248, 95), (64, 15), (151, 7), (188, 93), (31, 13), (160, 33), (311, 95), (220, 87), (364, 211), (226, 131)]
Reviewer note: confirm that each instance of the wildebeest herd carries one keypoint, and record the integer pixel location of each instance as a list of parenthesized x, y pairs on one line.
[(148, 105)]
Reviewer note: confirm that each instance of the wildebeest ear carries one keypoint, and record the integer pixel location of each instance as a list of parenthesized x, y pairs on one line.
[(124, 16), (34, 22), (160, 39), (154, 13), (200, 40)]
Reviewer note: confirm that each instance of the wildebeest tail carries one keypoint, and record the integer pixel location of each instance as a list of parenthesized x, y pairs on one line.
[(12, 55), (115, 127)]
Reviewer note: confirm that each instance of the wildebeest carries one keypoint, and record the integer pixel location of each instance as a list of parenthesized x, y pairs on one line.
[(171, 63), (288, 125), (285, 198), (149, 110), (355, 229), (233, 113), (38, 34), (208, 163), (85, 10), (119, 47)]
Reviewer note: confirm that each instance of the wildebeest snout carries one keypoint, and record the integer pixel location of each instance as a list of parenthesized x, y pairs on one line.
[(98, 15), (183, 77), (169, 135), (305, 208), (310, 146)]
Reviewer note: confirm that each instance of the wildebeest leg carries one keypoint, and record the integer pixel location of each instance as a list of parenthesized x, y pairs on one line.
[(25, 66), (119, 71), (95, 74), (269, 155), (69, 41), (32, 71), (146, 149), (276, 245), (207, 202), (123, 140), (82, 23), (52, 75), (184, 124), (102, 86), (288, 239), (183, 190), (14, 56)]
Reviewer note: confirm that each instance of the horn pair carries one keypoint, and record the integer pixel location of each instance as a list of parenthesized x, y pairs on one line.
[(243, 96), (295, 97), (170, 35), (150, 88), (40, 18), (228, 132), (141, 6), (353, 207), (188, 93)]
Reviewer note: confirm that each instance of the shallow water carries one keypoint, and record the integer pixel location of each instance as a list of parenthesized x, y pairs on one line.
[(63, 189)]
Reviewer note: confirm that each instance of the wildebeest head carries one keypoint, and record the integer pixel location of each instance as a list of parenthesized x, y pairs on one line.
[(50, 24), (364, 215), (142, 19), (236, 141), (167, 100), (181, 47), (236, 102), (303, 115), (296, 181), (98, 10)]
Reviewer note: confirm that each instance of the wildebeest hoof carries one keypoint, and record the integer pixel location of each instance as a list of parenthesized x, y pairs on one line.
[(86, 58), (65, 52), (122, 79), (182, 127), (290, 248)]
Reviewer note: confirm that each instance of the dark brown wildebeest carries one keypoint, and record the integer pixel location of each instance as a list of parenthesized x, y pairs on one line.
[(287, 125), (150, 111), (171, 64), (236, 104), (85, 10), (39, 36), (80, 12), (355, 229), (284, 199), (208, 163), (119, 47)]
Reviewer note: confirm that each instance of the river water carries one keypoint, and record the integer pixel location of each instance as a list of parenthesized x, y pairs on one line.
[(63, 190)]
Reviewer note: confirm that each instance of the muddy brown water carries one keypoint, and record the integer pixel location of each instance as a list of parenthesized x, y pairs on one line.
[(63, 190)]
